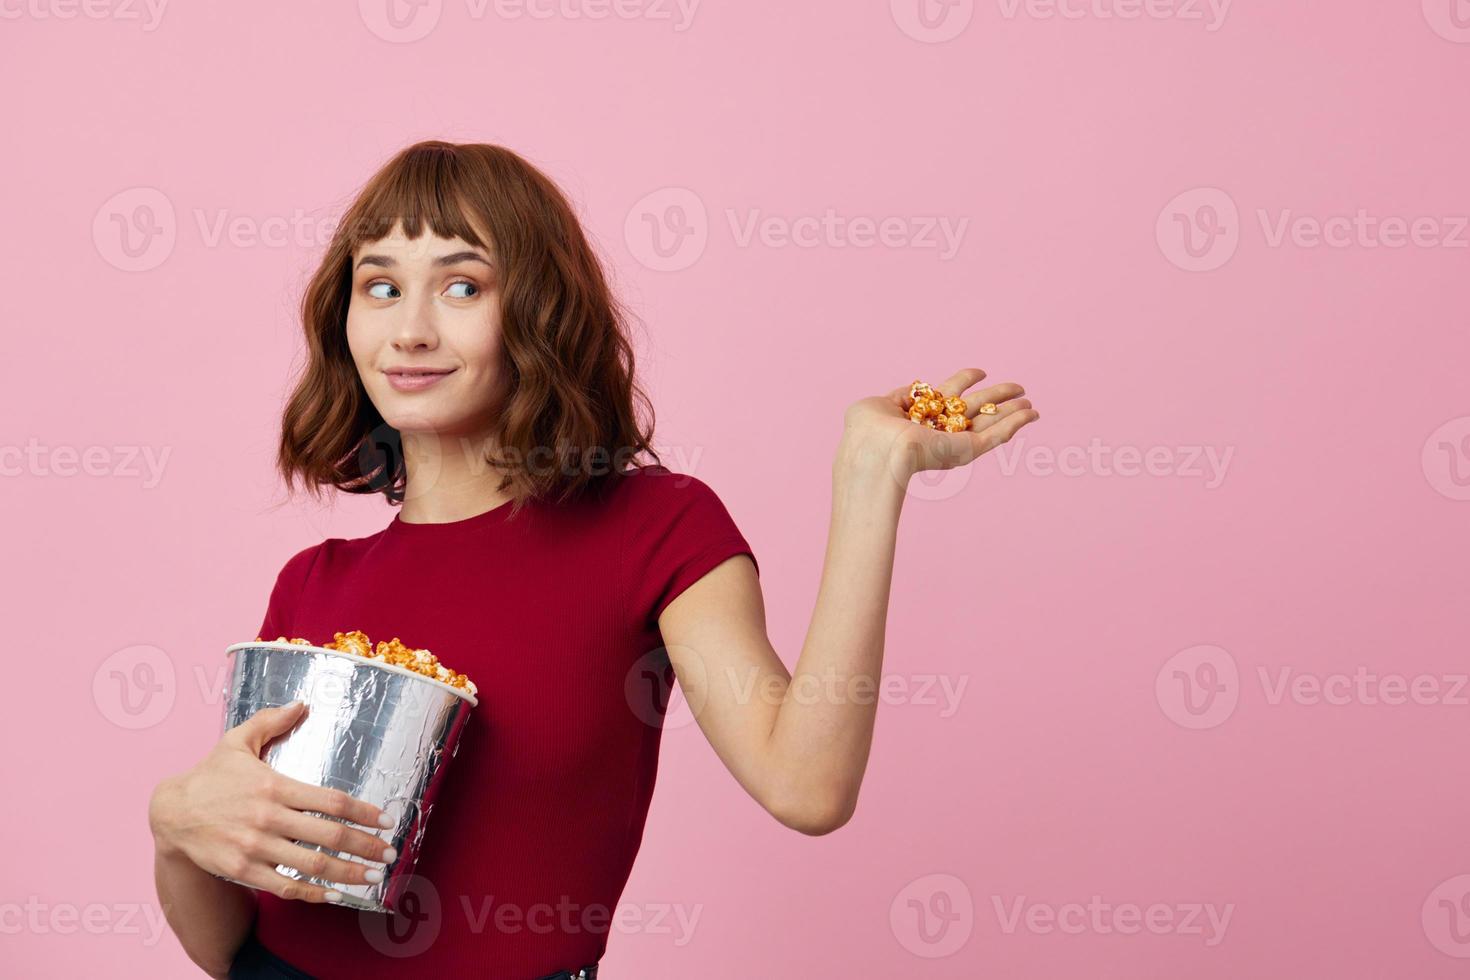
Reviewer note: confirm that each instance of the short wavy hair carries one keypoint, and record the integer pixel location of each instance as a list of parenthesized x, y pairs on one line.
[(567, 372)]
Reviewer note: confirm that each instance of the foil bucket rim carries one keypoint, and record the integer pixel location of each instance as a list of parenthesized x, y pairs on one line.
[(364, 661)]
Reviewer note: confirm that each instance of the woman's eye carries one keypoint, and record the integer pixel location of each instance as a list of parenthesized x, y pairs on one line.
[(468, 285), (382, 285)]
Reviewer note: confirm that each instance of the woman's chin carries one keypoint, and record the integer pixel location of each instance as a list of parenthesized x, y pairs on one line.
[(444, 425)]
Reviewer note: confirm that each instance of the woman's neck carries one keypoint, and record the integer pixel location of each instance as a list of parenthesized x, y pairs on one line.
[(449, 478)]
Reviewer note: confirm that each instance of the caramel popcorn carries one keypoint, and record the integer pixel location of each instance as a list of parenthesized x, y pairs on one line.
[(933, 410), (394, 652)]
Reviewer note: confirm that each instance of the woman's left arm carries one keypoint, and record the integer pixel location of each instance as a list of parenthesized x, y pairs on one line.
[(798, 743)]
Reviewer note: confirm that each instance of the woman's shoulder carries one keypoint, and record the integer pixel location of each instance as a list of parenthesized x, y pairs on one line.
[(657, 478), (325, 552), (656, 486)]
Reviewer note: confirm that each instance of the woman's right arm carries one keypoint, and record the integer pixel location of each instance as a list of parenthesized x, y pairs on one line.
[(233, 815)]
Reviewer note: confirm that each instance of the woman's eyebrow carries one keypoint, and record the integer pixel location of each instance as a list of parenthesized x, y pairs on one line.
[(387, 261)]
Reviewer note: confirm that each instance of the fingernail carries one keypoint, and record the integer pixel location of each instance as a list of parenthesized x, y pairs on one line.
[(334, 897), (293, 704), (373, 875), (385, 821), (390, 855)]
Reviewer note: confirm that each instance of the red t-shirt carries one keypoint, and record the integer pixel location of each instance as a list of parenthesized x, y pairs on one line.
[(554, 615)]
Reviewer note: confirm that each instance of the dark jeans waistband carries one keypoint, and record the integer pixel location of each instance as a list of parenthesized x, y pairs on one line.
[(255, 962)]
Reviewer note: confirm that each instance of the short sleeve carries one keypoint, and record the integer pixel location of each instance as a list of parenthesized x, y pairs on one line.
[(677, 530), (280, 612)]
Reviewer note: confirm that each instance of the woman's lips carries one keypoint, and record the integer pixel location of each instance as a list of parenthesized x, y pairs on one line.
[(415, 380)]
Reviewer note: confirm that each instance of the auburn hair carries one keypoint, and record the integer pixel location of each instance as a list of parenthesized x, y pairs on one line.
[(567, 369)]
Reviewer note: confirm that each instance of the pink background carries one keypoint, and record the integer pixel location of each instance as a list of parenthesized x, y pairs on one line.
[(1082, 608)]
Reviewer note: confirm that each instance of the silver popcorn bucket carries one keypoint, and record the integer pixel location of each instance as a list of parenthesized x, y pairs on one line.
[(379, 732)]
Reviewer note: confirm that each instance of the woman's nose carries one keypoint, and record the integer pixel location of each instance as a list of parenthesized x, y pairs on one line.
[(417, 328)]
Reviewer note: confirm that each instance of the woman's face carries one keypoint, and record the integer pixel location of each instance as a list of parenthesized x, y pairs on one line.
[(423, 325)]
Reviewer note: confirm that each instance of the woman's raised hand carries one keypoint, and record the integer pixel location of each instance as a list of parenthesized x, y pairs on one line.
[(882, 421), (233, 815)]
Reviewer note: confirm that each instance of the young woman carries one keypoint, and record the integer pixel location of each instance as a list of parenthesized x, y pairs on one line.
[(468, 362)]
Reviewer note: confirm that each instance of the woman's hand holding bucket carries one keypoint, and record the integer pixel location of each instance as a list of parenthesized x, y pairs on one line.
[(236, 817)]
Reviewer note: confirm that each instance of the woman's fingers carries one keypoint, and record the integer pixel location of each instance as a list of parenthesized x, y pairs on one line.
[(1010, 407), (986, 438), (998, 395), (265, 877), (333, 802), (332, 835), (959, 381), (953, 385), (319, 864), (266, 724)]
